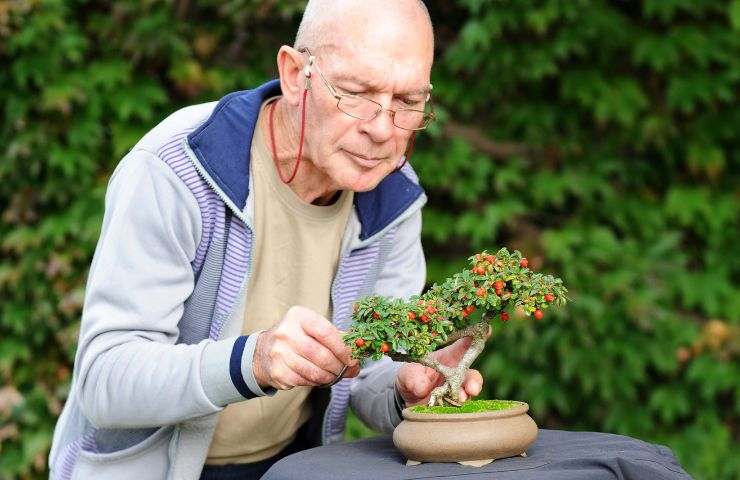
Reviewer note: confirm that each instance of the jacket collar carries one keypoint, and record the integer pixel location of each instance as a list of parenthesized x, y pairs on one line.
[(222, 146)]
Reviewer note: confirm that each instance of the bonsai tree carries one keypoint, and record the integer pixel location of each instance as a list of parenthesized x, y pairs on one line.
[(463, 305)]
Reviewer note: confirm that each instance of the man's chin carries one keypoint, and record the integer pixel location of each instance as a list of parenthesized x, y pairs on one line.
[(359, 187), (365, 183), (357, 178)]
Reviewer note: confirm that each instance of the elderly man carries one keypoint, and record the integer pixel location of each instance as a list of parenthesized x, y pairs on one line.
[(237, 234)]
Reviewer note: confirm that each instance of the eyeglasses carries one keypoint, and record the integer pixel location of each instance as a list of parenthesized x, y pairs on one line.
[(363, 108)]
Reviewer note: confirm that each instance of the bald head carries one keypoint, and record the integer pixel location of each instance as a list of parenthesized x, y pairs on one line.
[(343, 24)]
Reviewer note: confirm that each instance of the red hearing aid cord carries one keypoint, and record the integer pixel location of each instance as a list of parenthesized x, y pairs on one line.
[(300, 145)]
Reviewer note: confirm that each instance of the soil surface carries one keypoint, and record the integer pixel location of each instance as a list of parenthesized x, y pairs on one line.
[(471, 406)]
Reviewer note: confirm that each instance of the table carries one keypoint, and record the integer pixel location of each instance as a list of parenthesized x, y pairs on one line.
[(556, 455)]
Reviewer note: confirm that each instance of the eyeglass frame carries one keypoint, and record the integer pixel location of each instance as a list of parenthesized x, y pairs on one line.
[(428, 116)]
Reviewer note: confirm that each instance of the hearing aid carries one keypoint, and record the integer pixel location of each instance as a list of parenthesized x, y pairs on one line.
[(307, 72)]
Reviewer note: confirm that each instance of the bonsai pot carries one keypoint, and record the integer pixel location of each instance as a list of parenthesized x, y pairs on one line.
[(468, 438)]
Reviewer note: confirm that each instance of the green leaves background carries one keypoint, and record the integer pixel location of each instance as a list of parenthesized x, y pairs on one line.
[(600, 138)]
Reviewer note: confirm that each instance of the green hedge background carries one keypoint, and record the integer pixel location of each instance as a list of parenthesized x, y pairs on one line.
[(601, 138)]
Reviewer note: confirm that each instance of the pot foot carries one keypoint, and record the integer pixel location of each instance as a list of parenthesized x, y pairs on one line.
[(476, 463), (469, 463)]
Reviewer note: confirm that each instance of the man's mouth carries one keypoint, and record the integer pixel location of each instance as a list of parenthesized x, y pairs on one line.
[(363, 160)]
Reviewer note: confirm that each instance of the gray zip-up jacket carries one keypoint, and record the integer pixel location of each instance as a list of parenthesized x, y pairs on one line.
[(160, 351)]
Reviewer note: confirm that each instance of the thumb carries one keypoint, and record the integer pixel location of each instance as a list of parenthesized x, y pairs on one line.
[(451, 354)]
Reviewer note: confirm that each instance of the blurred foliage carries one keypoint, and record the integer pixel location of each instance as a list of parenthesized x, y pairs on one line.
[(598, 137)]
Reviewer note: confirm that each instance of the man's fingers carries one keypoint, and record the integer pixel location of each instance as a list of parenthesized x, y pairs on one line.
[(432, 374), (421, 377), (313, 375), (327, 334), (422, 387), (319, 355), (352, 371), (473, 383), (283, 377)]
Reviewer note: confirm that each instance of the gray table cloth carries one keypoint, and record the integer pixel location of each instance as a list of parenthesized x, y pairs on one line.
[(556, 455)]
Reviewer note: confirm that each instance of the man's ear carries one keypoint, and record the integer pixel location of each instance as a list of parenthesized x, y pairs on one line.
[(292, 79)]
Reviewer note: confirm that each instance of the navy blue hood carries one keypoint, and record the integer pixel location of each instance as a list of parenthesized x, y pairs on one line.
[(222, 145)]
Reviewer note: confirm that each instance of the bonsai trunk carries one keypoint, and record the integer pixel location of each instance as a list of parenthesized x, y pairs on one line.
[(449, 391)]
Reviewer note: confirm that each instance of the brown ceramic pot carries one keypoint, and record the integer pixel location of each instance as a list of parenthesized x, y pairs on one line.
[(470, 438)]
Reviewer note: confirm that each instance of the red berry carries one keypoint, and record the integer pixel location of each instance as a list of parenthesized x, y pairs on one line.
[(424, 319), (434, 334), (498, 285), (549, 297), (524, 262), (499, 292), (480, 292), (480, 270), (538, 314), (431, 309), (412, 315), (470, 309), (376, 315), (385, 347), (464, 312), (490, 258), (504, 316), (360, 342)]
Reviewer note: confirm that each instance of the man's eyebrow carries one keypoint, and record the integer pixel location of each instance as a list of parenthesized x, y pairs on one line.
[(360, 81), (422, 91)]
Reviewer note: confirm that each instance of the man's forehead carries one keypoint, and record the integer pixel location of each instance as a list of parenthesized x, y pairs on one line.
[(370, 69)]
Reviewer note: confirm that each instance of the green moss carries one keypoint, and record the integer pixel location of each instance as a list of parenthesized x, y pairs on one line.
[(471, 406)]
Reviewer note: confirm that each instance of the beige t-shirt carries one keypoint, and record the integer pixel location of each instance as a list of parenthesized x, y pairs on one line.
[(296, 252)]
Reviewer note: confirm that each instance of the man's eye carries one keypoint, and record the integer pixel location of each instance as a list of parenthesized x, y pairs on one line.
[(411, 102), (350, 92)]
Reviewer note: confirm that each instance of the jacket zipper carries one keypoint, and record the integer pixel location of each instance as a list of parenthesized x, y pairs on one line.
[(201, 171)]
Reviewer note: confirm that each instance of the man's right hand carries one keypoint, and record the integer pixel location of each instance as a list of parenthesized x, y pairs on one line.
[(304, 349)]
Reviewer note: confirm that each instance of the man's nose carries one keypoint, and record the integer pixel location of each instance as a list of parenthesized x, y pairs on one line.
[(381, 128)]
